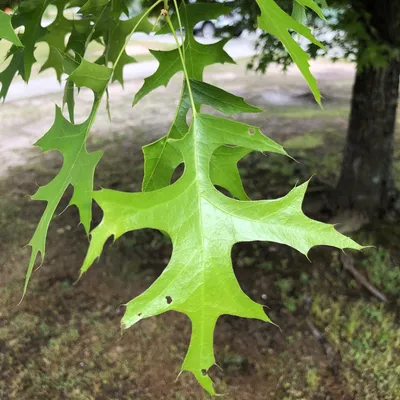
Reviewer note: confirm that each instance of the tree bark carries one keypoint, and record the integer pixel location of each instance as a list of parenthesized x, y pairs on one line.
[(366, 182)]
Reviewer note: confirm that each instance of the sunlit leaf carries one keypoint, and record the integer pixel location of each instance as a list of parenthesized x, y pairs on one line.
[(197, 56), (161, 159), (204, 224), (275, 21), (77, 170)]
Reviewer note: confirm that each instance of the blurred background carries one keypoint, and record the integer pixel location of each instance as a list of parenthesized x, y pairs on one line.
[(338, 315)]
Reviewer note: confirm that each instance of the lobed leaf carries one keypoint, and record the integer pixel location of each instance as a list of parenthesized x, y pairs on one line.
[(57, 31), (161, 159), (115, 40), (30, 16), (8, 74), (275, 21), (77, 170), (197, 56), (203, 225), (312, 5)]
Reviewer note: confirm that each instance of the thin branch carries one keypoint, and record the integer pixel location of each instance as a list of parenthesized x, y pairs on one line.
[(348, 264)]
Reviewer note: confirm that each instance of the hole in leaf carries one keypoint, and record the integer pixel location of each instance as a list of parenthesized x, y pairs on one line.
[(281, 171), (178, 173), (109, 242), (252, 131), (224, 191), (140, 314), (204, 372), (169, 299), (49, 16), (137, 255), (94, 51), (71, 13)]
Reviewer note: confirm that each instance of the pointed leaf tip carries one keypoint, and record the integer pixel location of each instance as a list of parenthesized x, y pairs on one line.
[(275, 21), (7, 31)]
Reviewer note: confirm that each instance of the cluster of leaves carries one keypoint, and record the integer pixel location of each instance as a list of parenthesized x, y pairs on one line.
[(350, 31), (202, 223)]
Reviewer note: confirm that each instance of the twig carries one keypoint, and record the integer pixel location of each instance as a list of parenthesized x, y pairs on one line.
[(348, 264)]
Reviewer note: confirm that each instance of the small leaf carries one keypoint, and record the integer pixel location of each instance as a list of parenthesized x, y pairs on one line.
[(275, 21), (92, 76), (7, 75), (30, 15), (55, 38), (77, 170), (6, 30), (197, 56), (312, 5)]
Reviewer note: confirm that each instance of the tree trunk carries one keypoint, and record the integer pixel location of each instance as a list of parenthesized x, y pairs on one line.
[(366, 182)]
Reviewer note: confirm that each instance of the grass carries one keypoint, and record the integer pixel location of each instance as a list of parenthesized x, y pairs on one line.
[(301, 112), (368, 338), (381, 271), (304, 142)]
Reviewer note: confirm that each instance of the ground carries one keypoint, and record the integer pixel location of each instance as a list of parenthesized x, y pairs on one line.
[(64, 340)]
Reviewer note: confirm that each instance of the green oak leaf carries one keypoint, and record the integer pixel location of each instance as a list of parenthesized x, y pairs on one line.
[(77, 170), (312, 5), (197, 56), (115, 40), (55, 38), (299, 13), (275, 21), (92, 76), (55, 61), (203, 225), (30, 15), (7, 31), (161, 159), (80, 31), (8, 74)]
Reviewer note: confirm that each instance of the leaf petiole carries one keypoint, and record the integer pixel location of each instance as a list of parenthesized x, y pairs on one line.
[(168, 19)]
